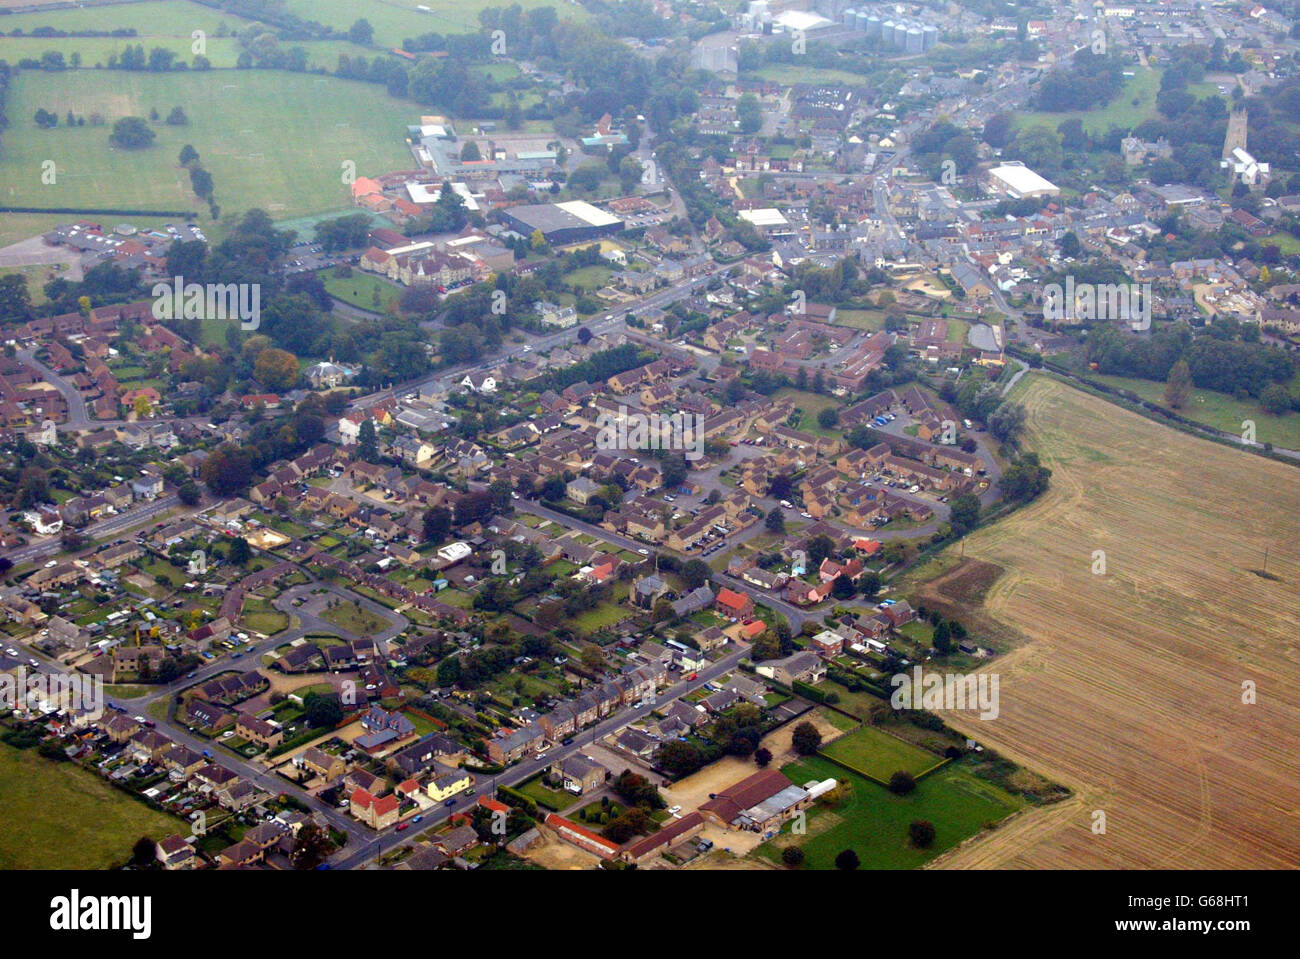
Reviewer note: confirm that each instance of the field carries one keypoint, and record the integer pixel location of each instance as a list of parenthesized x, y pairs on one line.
[(288, 161), (356, 620), (1129, 686), (152, 18), (873, 822), (396, 20), (1218, 410), (70, 818), (879, 754), (1120, 112)]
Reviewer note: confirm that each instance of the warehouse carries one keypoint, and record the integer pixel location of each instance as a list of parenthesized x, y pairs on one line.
[(573, 222), (1018, 182)]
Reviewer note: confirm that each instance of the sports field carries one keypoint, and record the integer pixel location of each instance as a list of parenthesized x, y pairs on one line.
[(1129, 685), (70, 819), (288, 161), (873, 822), (396, 20), (880, 755)]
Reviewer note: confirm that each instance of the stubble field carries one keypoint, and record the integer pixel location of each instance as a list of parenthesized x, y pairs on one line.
[(1129, 688)]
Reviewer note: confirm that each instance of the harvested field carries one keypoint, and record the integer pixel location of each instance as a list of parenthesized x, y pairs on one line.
[(1129, 689)]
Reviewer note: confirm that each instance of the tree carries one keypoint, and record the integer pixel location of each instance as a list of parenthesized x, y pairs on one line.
[(239, 552), (189, 493), (177, 117), (132, 133), (762, 756), (775, 521), (921, 833), (1275, 399), (469, 153), (361, 32), (437, 523), (227, 471), (806, 739), (367, 441), (695, 573), (792, 856), (965, 513), (144, 852), (901, 783), (1178, 387), (749, 114), (847, 861), (828, 417), (311, 846), (276, 369)]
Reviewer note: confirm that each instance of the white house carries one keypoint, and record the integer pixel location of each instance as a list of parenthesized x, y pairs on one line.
[(479, 382)]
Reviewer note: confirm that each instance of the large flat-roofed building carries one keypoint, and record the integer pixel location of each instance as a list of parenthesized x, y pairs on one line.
[(1018, 182), (572, 222)]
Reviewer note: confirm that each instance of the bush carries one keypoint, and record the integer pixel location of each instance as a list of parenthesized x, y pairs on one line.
[(792, 855), (901, 783), (921, 833)]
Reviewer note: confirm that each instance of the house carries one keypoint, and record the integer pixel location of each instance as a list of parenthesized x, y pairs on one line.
[(733, 604), (258, 731), (827, 644), (447, 782), (804, 667), (375, 812), (320, 763), (757, 803), (579, 774), (175, 853)]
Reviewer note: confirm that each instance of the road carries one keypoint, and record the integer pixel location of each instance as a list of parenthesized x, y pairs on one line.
[(35, 552)]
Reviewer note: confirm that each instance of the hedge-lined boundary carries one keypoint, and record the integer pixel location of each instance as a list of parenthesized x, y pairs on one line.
[(97, 211)]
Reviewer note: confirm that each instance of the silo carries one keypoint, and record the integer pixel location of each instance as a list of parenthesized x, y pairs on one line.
[(886, 32), (929, 37), (900, 34), (850, 19), (871, 26), (914, 40)]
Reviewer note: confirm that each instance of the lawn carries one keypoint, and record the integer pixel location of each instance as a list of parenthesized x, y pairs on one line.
[(288, 161), (536, 790), (873, 822), (355, 619), (811, 404), (71, 819), (259, 615), (879, 754), (606, 614), (361, 290), (873, 320)]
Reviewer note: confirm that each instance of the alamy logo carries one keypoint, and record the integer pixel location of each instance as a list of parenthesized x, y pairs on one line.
[(946, 691), (1098, 301), (626, 431), (75, 913), (22, 689), (179, 300)]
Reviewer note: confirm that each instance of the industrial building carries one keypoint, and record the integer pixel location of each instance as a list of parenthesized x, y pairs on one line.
[(1018, 182), (575, 221)]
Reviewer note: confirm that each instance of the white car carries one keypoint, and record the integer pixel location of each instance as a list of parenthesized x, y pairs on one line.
[(11, 651), (51, 564), (674, 810), (643, 551)]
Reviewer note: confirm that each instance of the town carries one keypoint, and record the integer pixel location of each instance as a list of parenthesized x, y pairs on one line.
[(553, 453)]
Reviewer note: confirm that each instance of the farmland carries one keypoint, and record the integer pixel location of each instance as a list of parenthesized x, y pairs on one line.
[(398, 20), (71, 819), (281, 162), (1128, 685)]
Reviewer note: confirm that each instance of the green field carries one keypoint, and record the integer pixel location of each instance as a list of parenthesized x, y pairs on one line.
[(361, 290), (1219, 410), (879, 754), (151, 18), (1120, 112), (356, 620), (64, 817), (270, 139), (873, 822), (873, 320), (396, 20)]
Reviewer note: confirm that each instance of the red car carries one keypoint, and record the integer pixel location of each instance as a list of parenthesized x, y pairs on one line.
[(403, 825)]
